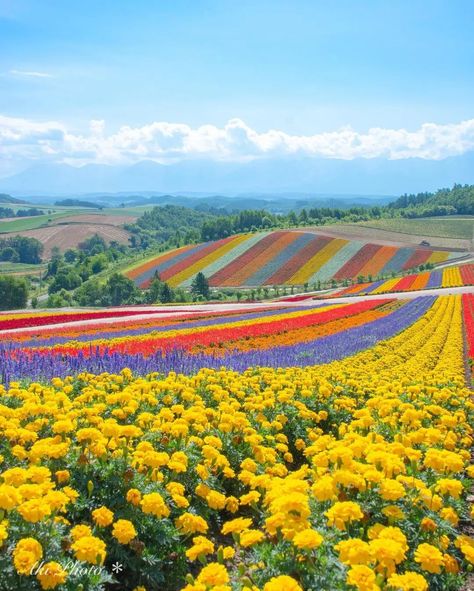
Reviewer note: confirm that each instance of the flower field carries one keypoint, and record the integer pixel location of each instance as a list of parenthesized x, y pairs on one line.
[(273, 448), (291, 257), (449, 277)]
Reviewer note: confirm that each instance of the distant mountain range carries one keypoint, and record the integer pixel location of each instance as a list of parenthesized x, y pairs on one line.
[(295, 176)]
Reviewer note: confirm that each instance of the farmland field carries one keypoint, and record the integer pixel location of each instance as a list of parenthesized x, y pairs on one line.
[(67, 227), (71, 234), (445, 227), (291, 257), (405, 233), (328, 444)]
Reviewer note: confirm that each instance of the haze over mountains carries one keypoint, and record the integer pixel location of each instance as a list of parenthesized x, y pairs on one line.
[(308, 175)]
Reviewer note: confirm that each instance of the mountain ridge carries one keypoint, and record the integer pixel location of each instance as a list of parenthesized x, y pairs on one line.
[(308, 175)]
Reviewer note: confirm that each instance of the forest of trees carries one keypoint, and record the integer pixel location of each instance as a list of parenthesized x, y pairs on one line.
[(20, 249), (458, 200), (7, 212)]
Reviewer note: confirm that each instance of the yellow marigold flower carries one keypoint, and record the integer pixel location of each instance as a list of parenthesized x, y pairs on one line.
[(227, 552), (62, 476), (232, 504), (181, 502), (188, 523), (395, 534), (236, 525), (9, 497), (354, 551), (362, 578), (134, 496), (343, 512), (26, 554), (103, 516), (428, 524), (71, 493), (388, 553), (201, 547), (308, 539), (409, 581), (251, 497), (429, 557), (282, 583), (202, 471), (154, 503), (34, 510), (80, 531), (124, 531), (175, 488), (3, 531), (449, 486), (450, 564), (249, 537), (391, 490), (15, 476), (57, 500), (216, 500), (178, 462), (468, 551), (90, 549), (51, 575), (393, 512), (213, 574), (249, 465)]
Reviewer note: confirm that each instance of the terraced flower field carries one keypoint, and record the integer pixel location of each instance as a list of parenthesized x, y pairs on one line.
[(283, 257), (454, 276), (266, 448)]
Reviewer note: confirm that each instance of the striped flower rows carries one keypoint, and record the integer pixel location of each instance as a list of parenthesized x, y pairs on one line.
[(449, 277), (290, 257), (268, 336), (352, 475)]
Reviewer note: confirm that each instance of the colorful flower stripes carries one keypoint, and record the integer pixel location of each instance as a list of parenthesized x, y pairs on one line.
[(449, 277), (291, 257)]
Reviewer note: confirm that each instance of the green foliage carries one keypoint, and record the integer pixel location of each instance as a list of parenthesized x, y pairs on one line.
[(60, 299), (66, 279), (200, 286), (93, 245), (29, 250), (77, 203), (458, 200), (121, 290), (13, 293)]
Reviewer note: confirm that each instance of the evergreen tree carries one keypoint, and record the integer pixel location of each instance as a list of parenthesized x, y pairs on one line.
[(200, 286), (166, 294)]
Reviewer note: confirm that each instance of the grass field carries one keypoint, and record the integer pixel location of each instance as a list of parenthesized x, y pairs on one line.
[(31, 223), (7, 268), (458, 227)]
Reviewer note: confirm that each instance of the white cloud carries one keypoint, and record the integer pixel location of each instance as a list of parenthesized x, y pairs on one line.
[(26, 140), (31, 74)]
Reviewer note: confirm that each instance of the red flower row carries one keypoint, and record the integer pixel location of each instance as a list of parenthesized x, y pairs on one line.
[(28, 320), (220, 334)]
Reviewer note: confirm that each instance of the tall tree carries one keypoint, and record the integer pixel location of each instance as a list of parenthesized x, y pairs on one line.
[(13, 293), (200, 286)]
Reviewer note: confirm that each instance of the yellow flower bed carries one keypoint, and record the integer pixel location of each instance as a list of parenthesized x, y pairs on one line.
[(351, 475)]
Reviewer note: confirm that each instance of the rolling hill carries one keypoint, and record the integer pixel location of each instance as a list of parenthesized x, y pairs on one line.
[(291, 257)]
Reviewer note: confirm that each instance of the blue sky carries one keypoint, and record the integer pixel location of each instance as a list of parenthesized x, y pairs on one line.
[(302, 67)]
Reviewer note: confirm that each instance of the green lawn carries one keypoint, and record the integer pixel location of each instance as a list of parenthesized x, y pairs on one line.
[(6, 267), (30, 223), (457, 227)]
